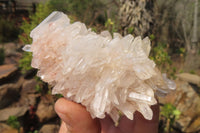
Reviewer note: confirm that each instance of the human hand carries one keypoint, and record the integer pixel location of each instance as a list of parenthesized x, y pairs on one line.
[(76, 119)]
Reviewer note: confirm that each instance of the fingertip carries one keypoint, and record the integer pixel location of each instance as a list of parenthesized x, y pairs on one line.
[(58, 105)]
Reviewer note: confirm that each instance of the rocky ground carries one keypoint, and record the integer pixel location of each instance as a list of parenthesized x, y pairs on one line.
[(35, 111), (18, 97)]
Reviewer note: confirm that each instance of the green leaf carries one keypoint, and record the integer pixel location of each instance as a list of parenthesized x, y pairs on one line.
[(13, 122)]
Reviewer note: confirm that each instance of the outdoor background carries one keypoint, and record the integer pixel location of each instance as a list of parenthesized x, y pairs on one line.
[(26, 103)]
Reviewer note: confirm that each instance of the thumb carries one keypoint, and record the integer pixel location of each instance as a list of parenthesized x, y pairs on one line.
[(76, 117)]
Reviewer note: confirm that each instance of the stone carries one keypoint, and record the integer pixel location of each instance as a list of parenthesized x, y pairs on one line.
[(191, 78), (12, 55), (28, 95), (45, 110), (49, 128), (6, 72), (26, 100), (9, 48), (195, 125), (186, 100), (105, 74), (10, 93), (29, 86), (4, 127), (11, 131), (12, 111)]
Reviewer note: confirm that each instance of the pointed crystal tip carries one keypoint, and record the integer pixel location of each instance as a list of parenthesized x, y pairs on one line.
[(27, 48)]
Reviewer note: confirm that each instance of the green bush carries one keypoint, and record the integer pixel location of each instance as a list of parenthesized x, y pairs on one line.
[(110, 26), (35, 131), (81, 10), (8, 30), (13, 122), (25, 62), (170, 113), (160, 55)]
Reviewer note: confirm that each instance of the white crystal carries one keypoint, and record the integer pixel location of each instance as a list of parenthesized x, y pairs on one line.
[(27, 48), (105, 74), (137, 96)]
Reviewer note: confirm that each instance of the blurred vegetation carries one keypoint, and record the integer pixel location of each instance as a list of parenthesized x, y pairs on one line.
[(35, 131), (170, 114), (81, 10), (110, 26), (13, 122), (160, 55), (8, 30)]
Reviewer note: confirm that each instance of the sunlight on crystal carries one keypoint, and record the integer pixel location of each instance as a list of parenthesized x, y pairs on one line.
[(134, 95), (27, 48), (105, 74)]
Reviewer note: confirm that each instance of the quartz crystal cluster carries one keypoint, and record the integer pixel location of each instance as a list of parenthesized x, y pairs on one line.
[(106, 74)]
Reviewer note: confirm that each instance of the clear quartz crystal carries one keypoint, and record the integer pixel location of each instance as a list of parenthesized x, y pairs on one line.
[(107, 75)]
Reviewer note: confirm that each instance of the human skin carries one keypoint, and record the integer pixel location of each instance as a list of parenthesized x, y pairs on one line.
[(76, 119)]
